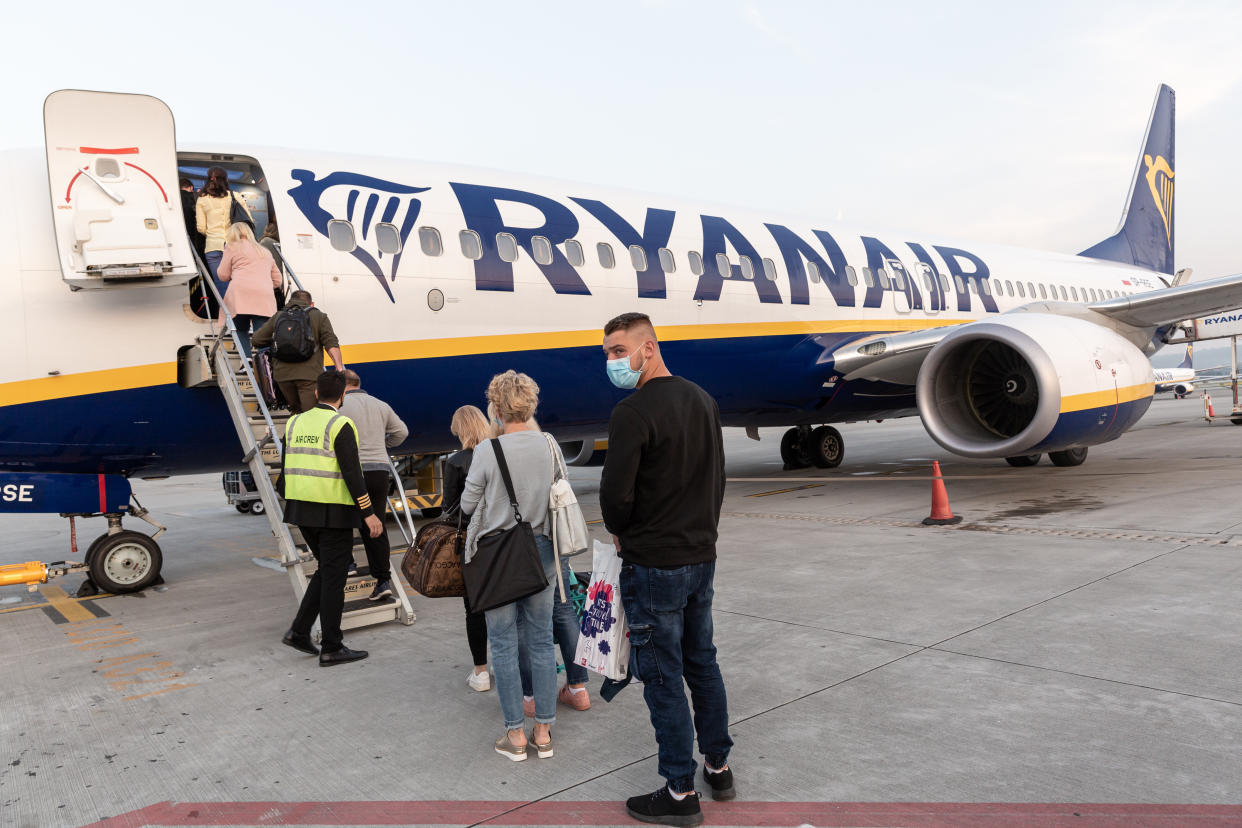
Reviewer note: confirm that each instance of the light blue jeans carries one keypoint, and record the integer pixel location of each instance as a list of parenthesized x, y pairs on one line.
[(535, 629)]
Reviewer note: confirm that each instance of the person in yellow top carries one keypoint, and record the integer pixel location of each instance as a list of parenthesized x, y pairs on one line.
[(211, 214), (326, 497)]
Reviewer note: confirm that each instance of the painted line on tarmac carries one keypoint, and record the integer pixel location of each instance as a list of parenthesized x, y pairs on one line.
[(64, 609), (786, 491), (545, 812)]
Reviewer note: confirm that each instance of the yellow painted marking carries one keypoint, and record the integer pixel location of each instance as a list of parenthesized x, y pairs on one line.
[(168, 689), (1101, 399), (145, 376), (66, 606)]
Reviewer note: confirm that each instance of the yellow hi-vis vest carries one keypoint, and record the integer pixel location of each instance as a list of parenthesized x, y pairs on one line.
[(311, 471)]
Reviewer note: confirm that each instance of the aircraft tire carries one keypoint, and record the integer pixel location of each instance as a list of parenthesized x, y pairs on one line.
[(1236, 420), (242, 507), (794, 450), (1069, 457), (1023, 460), (125, 562), (827, 447), (257, 507)]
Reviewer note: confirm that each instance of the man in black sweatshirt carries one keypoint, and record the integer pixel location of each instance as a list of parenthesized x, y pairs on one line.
[(661, 491)]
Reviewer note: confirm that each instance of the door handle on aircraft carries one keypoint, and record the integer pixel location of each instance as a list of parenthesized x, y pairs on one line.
[(117, 197)]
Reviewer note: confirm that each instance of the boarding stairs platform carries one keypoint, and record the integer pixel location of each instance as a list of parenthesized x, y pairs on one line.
[(260, 431)]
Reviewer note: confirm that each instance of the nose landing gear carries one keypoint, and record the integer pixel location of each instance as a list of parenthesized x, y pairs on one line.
[(822, 447)]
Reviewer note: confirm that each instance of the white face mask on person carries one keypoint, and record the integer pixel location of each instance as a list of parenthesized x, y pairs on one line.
[(621, 374)]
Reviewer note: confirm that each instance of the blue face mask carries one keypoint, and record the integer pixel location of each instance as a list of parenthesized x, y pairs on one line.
[(622, 375)]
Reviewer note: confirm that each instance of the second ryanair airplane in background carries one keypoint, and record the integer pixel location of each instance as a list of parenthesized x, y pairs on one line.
[(437, 277)]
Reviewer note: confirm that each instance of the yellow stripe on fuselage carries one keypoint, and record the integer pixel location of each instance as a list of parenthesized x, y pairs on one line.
[(144, 376), (1102, 399)]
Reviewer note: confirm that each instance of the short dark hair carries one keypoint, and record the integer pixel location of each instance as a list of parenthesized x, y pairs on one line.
[(183, 183), (626, 321), (329, 386), (300, 296)]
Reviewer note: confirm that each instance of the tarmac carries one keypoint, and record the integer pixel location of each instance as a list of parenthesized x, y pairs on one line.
[(1070, 654)]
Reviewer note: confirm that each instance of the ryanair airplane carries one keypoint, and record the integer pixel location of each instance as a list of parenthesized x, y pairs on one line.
[(437, 277)]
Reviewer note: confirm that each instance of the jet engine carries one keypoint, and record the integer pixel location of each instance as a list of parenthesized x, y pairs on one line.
[(1030, 383), (585, 452)]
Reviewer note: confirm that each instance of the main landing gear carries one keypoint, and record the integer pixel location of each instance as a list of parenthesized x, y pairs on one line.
[(1068, 457), (822, 447)]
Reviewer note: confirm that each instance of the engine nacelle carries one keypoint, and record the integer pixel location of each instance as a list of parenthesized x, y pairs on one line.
[(585, 452), (1183, 388), (1029, 383)]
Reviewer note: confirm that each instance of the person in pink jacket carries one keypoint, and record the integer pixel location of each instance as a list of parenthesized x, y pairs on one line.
[(254, 274)]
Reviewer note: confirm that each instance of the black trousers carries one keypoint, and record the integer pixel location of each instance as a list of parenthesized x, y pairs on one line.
[(378, 549), (476, 634), (325, 594)]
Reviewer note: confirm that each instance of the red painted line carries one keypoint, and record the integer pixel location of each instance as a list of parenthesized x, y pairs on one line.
[(148, 175), (69, 189), (825, 814), (103, 495), (102, 151)]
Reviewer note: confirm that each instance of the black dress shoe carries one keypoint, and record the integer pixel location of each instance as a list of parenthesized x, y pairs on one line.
[(341, 656), (300, 642)]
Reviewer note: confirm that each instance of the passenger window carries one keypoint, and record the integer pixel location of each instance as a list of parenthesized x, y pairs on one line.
[(769, 269), (722, 265), (868, 277), (899, 279), (341, 236), (667, 263), (1091, 291), (506, 246), (944, 283), (388, 238), (1031, 287), (1074, 292), (959, 284), (748, 268), (638, 258), (1043, 294), (429, 240), (573, 253), (812, 270), (997, 289), (541, 250), (881, 277), (604, 251), (987, 288), (696, 262), (851, 276), (471, 244), (927, 281), (1021, 290)]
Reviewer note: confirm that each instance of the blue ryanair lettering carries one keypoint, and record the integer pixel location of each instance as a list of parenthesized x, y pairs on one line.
[(936, 294), (716, 231), (878, 254), (657, 228), (794, 249), (480, 205), (951, 256)]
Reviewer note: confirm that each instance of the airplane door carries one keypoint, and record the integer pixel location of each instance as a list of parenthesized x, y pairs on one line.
[(116, 206), (935, 301), (903, 289)]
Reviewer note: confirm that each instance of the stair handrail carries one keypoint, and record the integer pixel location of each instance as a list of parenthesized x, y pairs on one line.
[(207, 282), (405, 506)]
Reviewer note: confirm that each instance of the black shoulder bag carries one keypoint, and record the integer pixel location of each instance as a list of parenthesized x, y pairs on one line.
[(506, 566), (237, 213)]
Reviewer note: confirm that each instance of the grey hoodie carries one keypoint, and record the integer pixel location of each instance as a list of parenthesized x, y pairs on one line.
[(378, 425)]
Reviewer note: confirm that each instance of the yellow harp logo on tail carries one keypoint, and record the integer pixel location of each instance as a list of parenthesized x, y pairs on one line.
[(1160, 182)]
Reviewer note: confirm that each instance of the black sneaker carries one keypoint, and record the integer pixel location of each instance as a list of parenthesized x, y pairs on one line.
[(383, 589), (662, 808), (721, 783)]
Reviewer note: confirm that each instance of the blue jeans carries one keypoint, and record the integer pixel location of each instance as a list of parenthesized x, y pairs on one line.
[(213, 264), (565, 631), (246, 324), (670, 616), (535, 629)]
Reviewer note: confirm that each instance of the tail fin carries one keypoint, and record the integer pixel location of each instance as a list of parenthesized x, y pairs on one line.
[(1189, 361), (1145, 236)]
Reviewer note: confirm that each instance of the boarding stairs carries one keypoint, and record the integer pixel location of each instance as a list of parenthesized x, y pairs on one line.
[(260, 431)]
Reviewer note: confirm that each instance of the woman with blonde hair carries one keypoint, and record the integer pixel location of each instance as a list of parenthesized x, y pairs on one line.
[(470, 427), (254, 275), (529, 457)]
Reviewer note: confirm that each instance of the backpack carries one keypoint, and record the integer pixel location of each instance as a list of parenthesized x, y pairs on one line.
[(293, 339)]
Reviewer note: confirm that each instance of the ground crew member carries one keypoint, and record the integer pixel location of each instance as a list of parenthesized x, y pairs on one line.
[(296, 379), (379, 428), (660, 494), (326, 497)]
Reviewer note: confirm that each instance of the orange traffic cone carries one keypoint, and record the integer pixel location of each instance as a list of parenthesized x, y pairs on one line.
[(1208, 412), (941, 514)]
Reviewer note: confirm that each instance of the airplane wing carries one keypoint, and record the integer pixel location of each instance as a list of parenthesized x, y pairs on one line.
[(1175, 304), (897, 357)]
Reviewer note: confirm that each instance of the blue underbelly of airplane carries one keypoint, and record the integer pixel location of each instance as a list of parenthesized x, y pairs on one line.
[(167, 429)]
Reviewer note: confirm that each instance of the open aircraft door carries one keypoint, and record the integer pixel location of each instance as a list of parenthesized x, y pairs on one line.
[(903, 289), (112, 169)]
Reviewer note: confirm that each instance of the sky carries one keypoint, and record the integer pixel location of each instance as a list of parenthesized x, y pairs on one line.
[(995, 122)]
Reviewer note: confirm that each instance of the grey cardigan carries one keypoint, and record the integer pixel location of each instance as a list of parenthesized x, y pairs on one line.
[(530, 465)]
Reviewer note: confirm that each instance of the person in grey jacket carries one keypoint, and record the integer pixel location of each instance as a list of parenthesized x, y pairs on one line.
[(379, 428), (530, 460)]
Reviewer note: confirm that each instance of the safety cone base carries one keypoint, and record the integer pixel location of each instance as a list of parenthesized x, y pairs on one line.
[(931, 521)]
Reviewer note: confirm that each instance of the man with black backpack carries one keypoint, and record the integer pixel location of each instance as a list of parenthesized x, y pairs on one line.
[(298, 337)]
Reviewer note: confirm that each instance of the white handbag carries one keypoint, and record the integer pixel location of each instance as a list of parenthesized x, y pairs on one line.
[(604, 639), (569, 529)]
